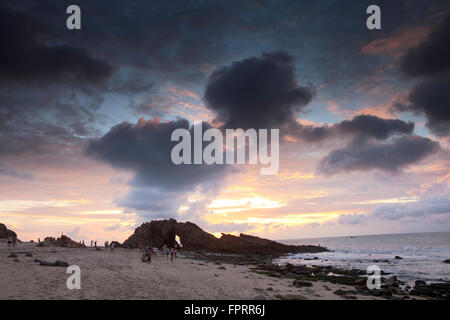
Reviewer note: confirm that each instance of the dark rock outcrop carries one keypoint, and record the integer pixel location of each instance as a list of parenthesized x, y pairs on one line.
[(5, 233), (63, 241), (439, 291), (116, 244), (57, 263), (162, 232), (302, 283)]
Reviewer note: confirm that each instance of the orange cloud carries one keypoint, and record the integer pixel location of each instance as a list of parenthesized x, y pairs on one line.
[(397, 43)]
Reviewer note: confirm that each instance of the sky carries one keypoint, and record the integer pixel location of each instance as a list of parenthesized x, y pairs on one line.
[(86, 116)]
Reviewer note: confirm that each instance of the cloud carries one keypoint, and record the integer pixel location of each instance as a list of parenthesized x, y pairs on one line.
[(432, 205), (360, 127), (375, 127), (159, 187), (16, 174), (145, 148), (351, 218), (113, 227), (261, 92), (258, 92), (26, 58), (431, 97), (432, 55), (367, 154), (430, 63)]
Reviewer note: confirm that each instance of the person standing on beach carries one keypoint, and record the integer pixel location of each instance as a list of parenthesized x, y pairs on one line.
[(167, 252), (149, 256), (92, 243), (95, 243), (171, 254)]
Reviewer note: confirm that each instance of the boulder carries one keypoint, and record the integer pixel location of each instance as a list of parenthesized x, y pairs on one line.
[(420, 283), (163, 232), (301, 283), (116, 244), (391, 282), (57, 263), (398, 258), (5, 233)]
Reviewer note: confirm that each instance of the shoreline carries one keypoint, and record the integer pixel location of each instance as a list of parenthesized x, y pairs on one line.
[(119, 274)]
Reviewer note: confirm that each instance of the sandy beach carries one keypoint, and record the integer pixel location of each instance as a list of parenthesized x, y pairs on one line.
[(120, 274)]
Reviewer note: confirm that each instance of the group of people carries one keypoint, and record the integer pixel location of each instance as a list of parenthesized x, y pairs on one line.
[(148, 251), (109, 245), (12, 241)]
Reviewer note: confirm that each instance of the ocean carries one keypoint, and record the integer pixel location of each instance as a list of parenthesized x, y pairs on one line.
[(423, 254)]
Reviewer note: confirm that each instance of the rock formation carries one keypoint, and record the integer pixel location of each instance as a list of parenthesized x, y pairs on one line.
[(116, 244), (162, 232), (63, 241), (5, 233)]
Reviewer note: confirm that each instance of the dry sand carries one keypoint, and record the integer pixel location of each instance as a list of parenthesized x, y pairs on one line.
[(120, 274)]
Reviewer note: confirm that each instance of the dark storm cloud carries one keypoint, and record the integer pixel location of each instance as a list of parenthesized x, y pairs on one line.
[(360, 127), (146, 148), (159, 187), (257, 92), (36, 122), (172, 40), (25, 57), (375, 127), (263, 93), (432, 56), (49, 90), (430, 63), (367, 154)]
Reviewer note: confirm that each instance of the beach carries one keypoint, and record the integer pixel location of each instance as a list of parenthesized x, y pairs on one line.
[(120, 274)]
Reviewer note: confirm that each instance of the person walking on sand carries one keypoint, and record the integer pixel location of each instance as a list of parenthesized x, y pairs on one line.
[(92, 243), (171, 255), (95, 243)]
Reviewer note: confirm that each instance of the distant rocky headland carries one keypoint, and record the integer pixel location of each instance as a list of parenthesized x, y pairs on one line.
[(158, 233), (163, 232)]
